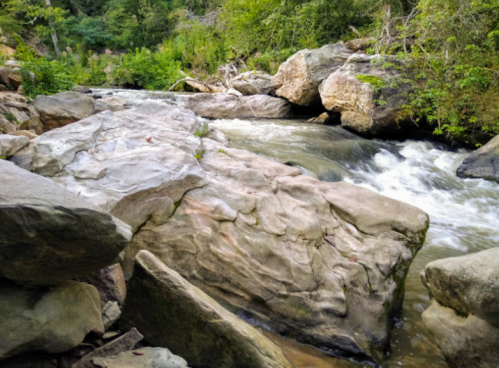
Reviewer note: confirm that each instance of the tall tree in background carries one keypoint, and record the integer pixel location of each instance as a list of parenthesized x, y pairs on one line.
[(55, 39)]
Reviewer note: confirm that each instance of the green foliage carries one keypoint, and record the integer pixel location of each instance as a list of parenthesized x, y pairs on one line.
[(10, 117), (199, 154), (202, 131), (221, 150), (374, 81)]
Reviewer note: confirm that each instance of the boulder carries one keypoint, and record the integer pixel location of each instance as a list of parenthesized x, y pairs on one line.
[(298, 78), (10, 144), (83, 89), (253, 83), (51, 320), (321, 262), (7, 51), (369, 97), (48, 235), (464, 314), (33, 123), (11, 77), (360, 44), (171, 312), (226, 106), (142, 358), (110, 282), (30, 134), (111, 104), (63, 108), (6, 126), (111, 313), (483, 163)]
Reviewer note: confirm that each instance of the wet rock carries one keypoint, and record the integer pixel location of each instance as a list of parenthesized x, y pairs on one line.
[(464, 314), (111, 104), (10, 144), (322, 262), (298, 79), (253, 83), (362, 92), (52, 320), (48, 234), (171, 312), (142, 358), (111, 349), (225, 106), (110, 282), (322, 119), (483, 163), (63, 108)]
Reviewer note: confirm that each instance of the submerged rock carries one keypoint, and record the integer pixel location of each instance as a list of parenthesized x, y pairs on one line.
[(48, 234), (324, 263), (52, 320), (483, 163), (464, 314), (298, 78), (369, 97), (226, 106), (172, 313), (63, 108)]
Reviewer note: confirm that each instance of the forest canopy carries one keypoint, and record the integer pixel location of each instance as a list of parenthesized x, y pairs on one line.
[(450, 47)]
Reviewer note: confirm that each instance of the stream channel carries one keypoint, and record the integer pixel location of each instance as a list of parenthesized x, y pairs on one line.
[(463, 213)]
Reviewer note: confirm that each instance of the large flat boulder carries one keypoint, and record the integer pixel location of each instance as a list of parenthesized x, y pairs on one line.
[(48, 234), (51, 320), (226, 106), (464, 314), (172, 313), (321, 262), (369, 97), (63, 108), (142, 358), (483, 163), (298, 79)]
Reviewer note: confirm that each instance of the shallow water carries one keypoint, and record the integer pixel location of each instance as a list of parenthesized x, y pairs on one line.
[(463, 213)]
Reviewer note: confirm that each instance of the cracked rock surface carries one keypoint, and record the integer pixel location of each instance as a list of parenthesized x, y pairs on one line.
[(323, 263)]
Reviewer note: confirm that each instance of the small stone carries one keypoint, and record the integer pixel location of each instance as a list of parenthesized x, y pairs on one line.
[(110, 314)]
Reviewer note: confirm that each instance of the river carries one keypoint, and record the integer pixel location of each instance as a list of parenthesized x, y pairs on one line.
[(463, 213)]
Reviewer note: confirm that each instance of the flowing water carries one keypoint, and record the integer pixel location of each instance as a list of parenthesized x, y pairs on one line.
[(463, 213)]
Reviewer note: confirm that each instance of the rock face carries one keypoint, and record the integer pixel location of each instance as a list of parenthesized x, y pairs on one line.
[(10, 144), (111, 104), (142, 358), (298, 79), (48, 234), (225, 106), (464, 314), (171, 312), (53, 320), (11, 77), (483, 163), (253, 83), (321, 262), (361, 91), (63, 108)]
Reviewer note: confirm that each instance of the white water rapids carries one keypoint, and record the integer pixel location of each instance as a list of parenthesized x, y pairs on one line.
[(463, 213)]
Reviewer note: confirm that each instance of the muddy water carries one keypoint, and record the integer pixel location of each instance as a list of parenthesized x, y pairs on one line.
[(463, 213)]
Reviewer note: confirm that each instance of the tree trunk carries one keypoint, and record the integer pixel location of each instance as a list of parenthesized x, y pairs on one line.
[(55, 39)]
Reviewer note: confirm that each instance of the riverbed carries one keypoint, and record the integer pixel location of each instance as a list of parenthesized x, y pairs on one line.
[(463, 212)]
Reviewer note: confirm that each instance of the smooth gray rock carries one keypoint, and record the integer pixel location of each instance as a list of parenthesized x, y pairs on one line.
[(63, 108), (111, 104), (226, 106), (171, 312), (464, 314), (253, 83), (48, 234), (10, 144), (483, 163), (142, 358), (298, 79), (52, 320)]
